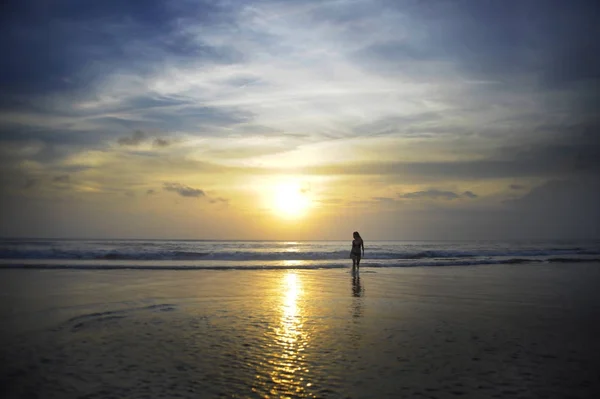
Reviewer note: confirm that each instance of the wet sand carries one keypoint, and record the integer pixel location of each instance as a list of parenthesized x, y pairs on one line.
[(513, 331)]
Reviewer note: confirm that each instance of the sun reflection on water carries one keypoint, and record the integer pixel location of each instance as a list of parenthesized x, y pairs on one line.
[(293, 263), (286, 366)]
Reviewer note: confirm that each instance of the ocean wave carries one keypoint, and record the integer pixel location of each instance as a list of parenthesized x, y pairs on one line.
[(572, 260), (274, 255), (276, 266)]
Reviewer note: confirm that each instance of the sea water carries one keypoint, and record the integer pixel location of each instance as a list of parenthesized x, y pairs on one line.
[(521, 325), (204, 254)]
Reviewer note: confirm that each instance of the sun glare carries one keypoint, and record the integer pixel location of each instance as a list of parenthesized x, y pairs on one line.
[(290, 200)]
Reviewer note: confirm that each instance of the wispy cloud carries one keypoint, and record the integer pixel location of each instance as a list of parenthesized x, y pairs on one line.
[(219, 200), (434, 194), (430, 194)]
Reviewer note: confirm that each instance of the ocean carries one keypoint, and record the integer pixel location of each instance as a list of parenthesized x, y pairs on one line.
[(206, 254), (280, 319)]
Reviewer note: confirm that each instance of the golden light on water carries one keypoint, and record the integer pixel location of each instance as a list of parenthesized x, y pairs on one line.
[(288, 369), (290, 304), (293, 263)]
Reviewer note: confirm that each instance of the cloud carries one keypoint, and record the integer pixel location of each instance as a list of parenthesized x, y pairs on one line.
[(219, 200), (517, 187), (330, 201), (61, 179), (161, 143), (138, 137), (559, 208), (430, 194), (150, 192), (450, 91), (135, 139), (187, 191), (434, 194), (29, 183), (183, 190), (575, 155), (383, 199), (562, 194), (228, 69), (64, 38)]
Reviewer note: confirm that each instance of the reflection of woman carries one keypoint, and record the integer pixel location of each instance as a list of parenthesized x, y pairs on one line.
[(357, 244), (356, 286)]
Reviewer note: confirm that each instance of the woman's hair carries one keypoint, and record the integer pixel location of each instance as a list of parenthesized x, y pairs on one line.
[(355, 234)]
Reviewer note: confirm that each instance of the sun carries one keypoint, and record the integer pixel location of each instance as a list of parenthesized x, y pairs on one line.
[(290, 200)]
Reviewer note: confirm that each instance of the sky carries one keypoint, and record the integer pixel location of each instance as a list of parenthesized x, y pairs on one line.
[(299, 120)]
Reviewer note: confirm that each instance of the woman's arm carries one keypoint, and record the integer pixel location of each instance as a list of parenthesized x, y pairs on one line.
[(362, 244)]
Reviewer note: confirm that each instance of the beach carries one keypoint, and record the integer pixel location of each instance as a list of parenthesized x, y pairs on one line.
[(504, 331)]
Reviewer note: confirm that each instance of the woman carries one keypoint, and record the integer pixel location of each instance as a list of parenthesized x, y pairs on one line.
[(357, 244)]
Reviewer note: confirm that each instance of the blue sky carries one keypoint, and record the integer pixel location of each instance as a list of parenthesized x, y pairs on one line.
[(382, 113)]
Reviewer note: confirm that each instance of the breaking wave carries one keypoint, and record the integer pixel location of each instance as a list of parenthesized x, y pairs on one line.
[(245, 255), (274, 265)]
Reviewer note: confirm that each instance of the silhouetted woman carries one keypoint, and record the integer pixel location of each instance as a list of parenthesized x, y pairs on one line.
[(357, 244)]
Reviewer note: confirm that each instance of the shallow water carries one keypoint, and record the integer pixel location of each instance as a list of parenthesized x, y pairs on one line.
[(439, 333)]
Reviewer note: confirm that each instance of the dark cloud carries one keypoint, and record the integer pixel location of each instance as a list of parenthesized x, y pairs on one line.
[(53, 138), (183, 190), (14, 151), (561, 194), (544, 48), (29, 183), (433, 194), (559, 208), (517, 187), (58, 142), (187, 191), (65, 45), (150, 192), (136, 138), (430, 194), (485, 169), (161, 143), (70, 48), (61, 179), (563, 155), (499, 39)]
